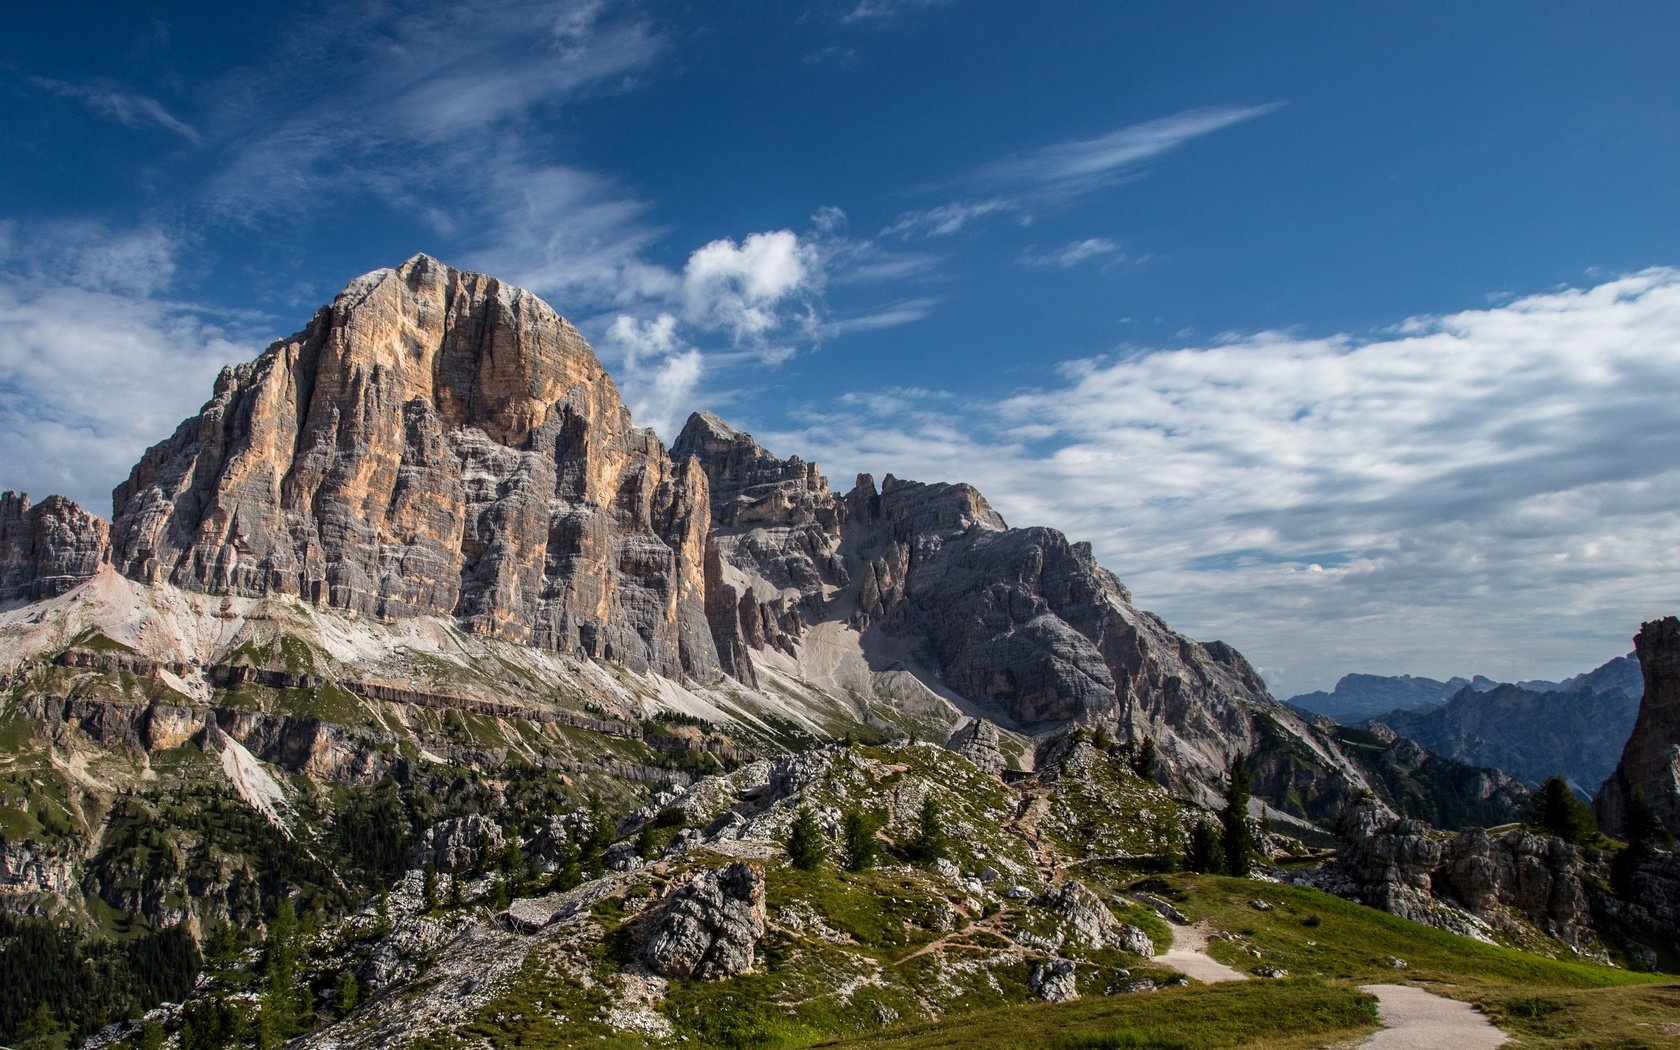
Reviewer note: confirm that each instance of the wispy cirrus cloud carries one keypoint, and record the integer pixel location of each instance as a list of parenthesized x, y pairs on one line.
[(1072, 254), (1427, 493), (126, 108), (887, 10), (405, 95), (1055, 174)]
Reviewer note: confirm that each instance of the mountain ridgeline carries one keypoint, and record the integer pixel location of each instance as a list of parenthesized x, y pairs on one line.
[(410, 637), (439, 445), (1532, 730)]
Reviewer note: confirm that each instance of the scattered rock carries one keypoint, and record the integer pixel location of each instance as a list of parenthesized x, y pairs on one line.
[(1259, 905), (1017, 893)]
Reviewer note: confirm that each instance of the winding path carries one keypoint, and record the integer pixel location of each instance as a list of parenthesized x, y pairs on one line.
[(1189, 956), (1414, 1019)]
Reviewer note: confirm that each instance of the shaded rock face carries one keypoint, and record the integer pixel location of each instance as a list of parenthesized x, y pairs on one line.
[(1021, 622), (434, 442), (1650, 760), (977, 740), (772, 556), (48, 548), (1400, 867), (710, 929)]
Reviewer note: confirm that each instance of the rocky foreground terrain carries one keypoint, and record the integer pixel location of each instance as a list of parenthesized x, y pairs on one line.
[(414, 696)]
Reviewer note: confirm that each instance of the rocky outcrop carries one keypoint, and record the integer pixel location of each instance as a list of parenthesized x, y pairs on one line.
[(710, 929), (977, 740), (1650, 761), (48, 548), (34, 881), (434, 442), (773, 553), (1088, 923), (461, 845), (1467, 883), (1053, 981)]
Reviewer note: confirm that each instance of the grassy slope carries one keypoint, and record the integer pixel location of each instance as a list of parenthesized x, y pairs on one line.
[(1331, 946)]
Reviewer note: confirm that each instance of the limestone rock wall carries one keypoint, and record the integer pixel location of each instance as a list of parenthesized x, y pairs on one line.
[(48, 548), (434, 442), (1651, 758)]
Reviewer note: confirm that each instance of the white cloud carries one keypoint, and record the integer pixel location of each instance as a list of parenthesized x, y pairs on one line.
[(1082, 164), (946, 219), (414, 99), (1071, 255), (1057, 173), (742, 287), (1431, 494), (656, 370), (886, 10), (94, 364)]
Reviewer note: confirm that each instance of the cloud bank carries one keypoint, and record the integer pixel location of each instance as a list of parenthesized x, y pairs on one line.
[(1427, 493)]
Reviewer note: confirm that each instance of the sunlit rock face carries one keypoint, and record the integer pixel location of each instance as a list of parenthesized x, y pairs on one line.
[(434, 442)]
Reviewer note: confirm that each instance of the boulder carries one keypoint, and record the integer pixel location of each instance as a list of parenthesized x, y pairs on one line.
[(710, 928)]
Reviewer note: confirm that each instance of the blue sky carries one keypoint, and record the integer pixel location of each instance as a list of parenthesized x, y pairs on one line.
[(1347, 333)]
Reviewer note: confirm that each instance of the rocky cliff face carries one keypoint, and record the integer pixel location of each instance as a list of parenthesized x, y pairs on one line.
[(438, 444), (434, 442), (1651, 759), (1019, 624), (1469, 883), (48, 548)]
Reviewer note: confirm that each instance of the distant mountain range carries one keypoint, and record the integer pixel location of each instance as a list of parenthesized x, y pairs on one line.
[(1574, 728)]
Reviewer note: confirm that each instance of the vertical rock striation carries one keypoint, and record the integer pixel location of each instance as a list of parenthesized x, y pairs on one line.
[(48, 548), (1651, 759), (434, 442)]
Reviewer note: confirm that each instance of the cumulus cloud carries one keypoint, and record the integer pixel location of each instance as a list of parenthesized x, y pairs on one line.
[(657, 371), (740, 288), (1429, 493)]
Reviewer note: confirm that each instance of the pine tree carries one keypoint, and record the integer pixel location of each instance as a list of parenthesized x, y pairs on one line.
[(1100, 739), (861, 849), (347, 993), (1204, 853), (1645, 836), (1144, 764), (429, 887), (929, 843), (382, 913), (1238, 840), (805, 845), (1557, 811)]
